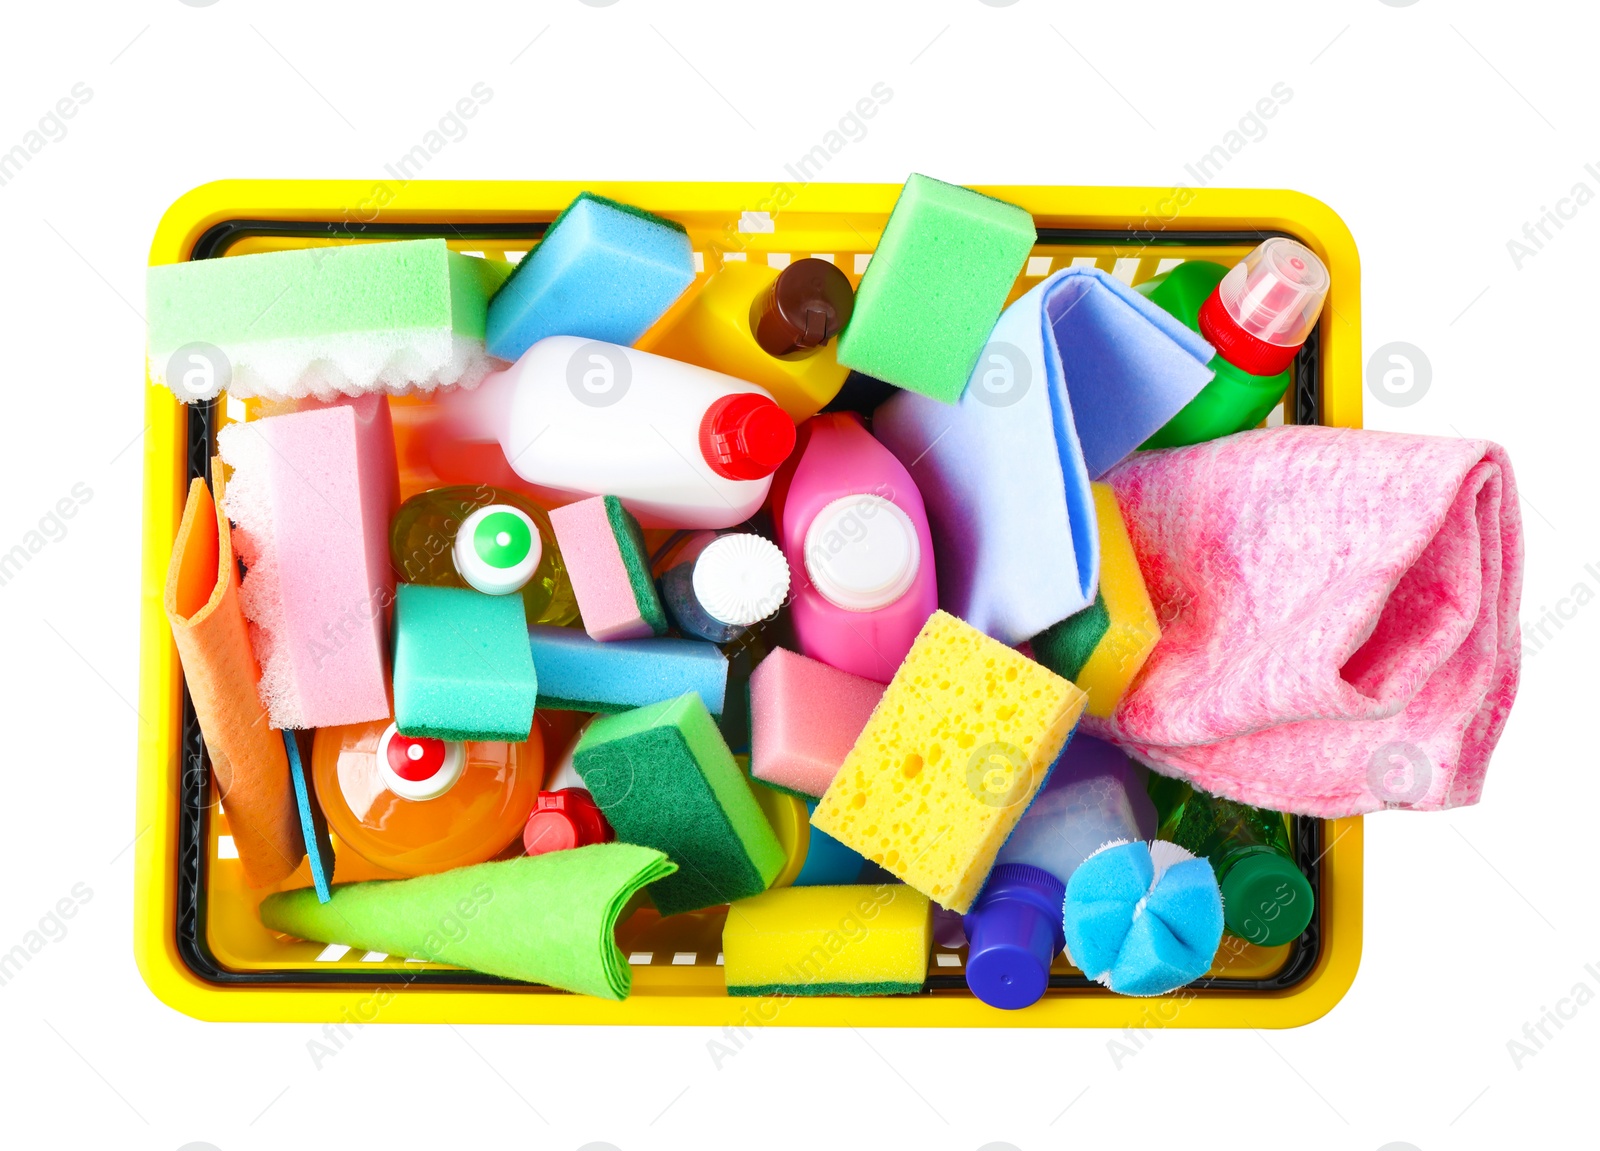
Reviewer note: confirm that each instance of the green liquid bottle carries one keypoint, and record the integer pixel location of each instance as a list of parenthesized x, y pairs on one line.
[(1256, 314), (1265, 897), (482, 537)]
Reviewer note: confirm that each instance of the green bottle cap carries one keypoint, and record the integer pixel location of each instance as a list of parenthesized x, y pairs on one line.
[(497, 549), (1265, 898)]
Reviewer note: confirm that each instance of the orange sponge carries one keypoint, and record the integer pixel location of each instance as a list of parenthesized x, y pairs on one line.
[(247, 756)]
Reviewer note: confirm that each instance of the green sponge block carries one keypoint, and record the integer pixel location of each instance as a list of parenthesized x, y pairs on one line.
[(544, 919), (664, 777), (462, 666), (935, 287), (322, 322), (1066, 646)]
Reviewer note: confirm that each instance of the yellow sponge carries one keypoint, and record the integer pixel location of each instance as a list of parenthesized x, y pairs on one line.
[(859, 940), (1134, 632), (950, 760)]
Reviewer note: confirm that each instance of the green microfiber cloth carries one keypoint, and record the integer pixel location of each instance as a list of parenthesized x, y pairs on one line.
[(663, 776), (542, 919), (1066, 646), (462, 666), (935, 287)]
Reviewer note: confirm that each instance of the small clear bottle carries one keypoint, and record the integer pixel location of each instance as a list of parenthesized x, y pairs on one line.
[(482, 537)]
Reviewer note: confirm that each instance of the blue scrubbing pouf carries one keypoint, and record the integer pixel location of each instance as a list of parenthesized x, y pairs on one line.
[(1143, 919), (604, 271)]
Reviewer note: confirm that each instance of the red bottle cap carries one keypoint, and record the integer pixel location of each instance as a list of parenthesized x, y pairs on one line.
[(564, 819), (745, 436)]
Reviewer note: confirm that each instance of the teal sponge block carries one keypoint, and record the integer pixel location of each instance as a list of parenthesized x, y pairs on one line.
[(323, 322), (462, 668), (604, 271), (935, 287), (665, 779)]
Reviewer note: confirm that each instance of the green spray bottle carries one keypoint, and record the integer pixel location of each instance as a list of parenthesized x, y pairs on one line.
[(1257, 315)]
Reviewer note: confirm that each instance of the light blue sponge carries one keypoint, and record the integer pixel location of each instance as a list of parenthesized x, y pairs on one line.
[(577, 673), (1143, 919), (604, 271), (461, 665)]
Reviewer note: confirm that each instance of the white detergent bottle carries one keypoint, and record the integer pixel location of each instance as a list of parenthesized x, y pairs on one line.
[(680, 445)]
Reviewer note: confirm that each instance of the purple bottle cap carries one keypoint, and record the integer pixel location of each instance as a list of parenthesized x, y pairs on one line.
[(1014, 934)]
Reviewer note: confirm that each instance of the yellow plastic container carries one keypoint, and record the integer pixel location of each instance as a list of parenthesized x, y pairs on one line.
[(712, 328), (197, 938)]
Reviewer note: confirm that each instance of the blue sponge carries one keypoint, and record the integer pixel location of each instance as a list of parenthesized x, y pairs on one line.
[(1143, 919), (604, 271), (829, 863), (461, 665), (577, 673)]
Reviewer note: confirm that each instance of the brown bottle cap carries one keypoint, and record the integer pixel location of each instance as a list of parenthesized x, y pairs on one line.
[(805, 307)]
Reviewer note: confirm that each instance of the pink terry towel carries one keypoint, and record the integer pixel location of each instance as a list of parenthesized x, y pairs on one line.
[(1339, 616)]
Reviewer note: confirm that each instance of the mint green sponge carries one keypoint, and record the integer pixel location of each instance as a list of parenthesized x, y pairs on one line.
[(462, 665), (935, 287), (665, 778), (345, 320)]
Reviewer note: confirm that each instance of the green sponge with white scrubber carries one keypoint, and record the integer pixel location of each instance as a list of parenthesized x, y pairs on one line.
[(322, 321), (547, 919)]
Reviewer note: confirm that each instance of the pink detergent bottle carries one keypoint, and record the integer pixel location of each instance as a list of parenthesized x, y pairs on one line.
[(851, 524)]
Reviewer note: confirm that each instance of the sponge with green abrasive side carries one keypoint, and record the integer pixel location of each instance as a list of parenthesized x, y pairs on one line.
[(609, 567), (664, 777), (935, 286), (462, 668), (1065, 647), (322, 322), (544, 919), (855, 940)]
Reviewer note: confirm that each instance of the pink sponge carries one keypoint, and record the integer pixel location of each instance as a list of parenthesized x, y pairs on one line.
[(610, 571), (804, 718), (312, 494)]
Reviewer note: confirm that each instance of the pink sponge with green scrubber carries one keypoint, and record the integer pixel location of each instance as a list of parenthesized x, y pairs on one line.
[(609, 568)]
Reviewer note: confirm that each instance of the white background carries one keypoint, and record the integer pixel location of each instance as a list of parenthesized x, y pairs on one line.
[(1437, 130)]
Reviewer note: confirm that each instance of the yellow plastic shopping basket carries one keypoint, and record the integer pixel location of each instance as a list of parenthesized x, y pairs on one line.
[(197, 937)]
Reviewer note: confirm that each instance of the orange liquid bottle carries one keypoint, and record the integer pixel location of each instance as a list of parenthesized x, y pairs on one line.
[(417, 806)]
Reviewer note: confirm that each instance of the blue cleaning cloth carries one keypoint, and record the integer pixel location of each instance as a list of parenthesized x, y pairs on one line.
[(577, 673), (603, 272), (1139, 927), (319, 848), (1004, 482), (1128, 366)]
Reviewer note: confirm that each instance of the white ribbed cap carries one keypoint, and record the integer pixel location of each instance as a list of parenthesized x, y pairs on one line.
[(741, 580)]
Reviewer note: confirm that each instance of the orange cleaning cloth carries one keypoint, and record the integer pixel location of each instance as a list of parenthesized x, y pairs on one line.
[(247, 756)]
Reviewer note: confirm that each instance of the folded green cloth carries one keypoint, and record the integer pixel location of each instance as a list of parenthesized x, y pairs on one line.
[(544, 919)]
